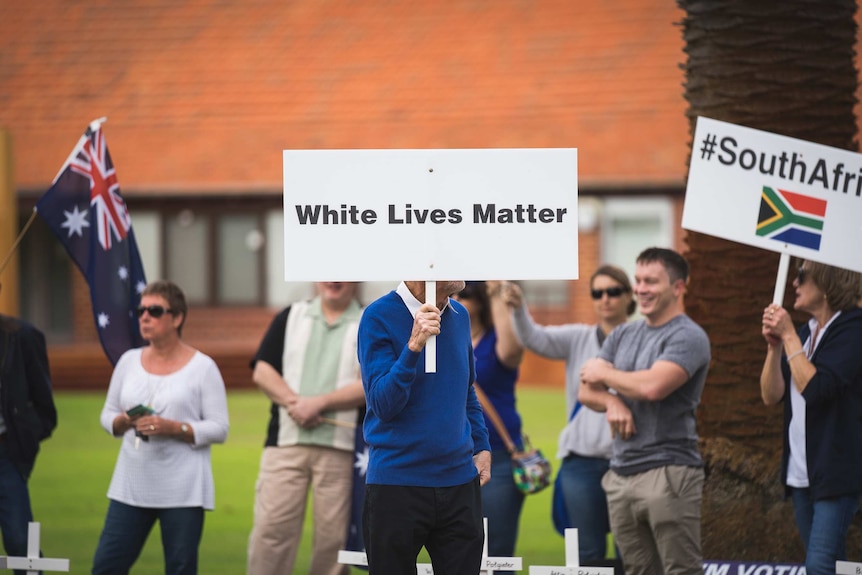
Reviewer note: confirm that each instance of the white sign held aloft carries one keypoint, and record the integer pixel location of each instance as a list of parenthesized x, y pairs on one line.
[(775, 192), (384, 215)]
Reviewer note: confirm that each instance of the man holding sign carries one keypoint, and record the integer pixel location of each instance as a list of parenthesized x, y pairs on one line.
[(656, 369), (429, 450)]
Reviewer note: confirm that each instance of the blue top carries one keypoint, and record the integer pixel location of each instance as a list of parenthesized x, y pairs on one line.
[(498, 383), (422, 428), (833, 410)]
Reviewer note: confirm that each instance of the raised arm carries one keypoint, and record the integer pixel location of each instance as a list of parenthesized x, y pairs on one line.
[(553, 342), (509, 350)]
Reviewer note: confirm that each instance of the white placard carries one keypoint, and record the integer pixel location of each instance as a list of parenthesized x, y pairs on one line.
[(777, 193), (384, 215)]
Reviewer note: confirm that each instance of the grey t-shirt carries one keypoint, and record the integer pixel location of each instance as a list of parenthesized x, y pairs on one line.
[(666, 433)]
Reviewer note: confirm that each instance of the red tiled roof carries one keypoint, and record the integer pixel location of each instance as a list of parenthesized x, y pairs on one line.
[(205, 94)]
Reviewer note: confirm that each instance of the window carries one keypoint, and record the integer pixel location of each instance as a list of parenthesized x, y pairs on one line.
[(630, 225), (187, 254), (217, 255)]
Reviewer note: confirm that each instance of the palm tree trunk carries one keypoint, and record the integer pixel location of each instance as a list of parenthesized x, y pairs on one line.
[(784, 67)]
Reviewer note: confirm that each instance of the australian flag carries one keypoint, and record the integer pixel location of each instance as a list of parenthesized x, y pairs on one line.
[(360, 465), (85, 211)]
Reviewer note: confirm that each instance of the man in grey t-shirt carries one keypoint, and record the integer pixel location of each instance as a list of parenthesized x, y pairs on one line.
[(648, 378)]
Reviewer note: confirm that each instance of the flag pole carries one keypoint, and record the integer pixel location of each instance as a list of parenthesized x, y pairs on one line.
[(17, 241)]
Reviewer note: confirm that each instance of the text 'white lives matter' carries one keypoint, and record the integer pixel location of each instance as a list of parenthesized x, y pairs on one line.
[(351, 214)]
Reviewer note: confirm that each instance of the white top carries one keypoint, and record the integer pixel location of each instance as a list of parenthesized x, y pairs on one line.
[(797, 464), (167, 472), (588, 434)]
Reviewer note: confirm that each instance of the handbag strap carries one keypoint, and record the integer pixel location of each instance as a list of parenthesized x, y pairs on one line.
[(575, 410), (600, 336), (495, 419)]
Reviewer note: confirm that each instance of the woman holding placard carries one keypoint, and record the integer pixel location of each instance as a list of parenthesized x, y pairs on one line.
[(817, 371)]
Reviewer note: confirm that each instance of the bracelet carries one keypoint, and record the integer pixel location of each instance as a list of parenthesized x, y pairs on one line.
[(794, 354)]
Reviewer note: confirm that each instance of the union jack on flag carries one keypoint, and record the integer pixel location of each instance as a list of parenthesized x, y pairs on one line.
[(94, 163), (86, 212)]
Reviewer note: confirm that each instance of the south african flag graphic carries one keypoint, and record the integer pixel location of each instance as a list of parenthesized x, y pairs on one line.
[(791, 218)]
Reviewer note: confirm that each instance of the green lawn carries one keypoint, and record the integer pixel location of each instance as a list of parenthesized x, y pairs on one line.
[(74, 468)]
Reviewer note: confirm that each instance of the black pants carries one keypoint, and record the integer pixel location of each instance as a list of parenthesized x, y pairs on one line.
[(397, 521)]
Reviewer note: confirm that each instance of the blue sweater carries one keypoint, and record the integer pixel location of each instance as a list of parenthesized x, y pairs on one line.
[(423, 428)]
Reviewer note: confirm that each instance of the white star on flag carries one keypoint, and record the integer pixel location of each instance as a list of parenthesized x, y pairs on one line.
[(76, 221), (362, 462), (123, 273), (140, 287), (103, 320)]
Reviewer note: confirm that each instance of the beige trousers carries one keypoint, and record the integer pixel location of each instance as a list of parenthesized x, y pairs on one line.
[(286, 474), (655, 519)]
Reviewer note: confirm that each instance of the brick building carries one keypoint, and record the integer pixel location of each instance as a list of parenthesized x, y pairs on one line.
[(202, 96)]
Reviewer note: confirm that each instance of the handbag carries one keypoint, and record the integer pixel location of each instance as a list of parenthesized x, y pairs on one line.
[(531, 471)]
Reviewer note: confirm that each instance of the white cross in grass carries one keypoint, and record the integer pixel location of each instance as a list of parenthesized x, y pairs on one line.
[(573, 566), (33, 563)]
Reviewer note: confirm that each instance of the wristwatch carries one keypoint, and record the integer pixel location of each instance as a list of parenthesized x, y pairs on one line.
[(184, 428)]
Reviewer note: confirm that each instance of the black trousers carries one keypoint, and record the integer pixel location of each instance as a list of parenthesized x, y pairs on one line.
[(397, 521)]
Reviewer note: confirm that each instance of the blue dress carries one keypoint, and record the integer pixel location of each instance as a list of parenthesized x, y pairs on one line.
[(501, 499)]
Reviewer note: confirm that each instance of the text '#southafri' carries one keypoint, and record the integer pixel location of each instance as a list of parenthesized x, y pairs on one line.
[(407, 214), (793, 166)]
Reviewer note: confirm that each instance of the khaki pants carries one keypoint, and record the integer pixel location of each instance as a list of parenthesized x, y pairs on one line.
[(655, 519), (286, 473)]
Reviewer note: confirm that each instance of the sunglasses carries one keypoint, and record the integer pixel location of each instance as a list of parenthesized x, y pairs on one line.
[(801, 274), (612, 292), (155, 311)]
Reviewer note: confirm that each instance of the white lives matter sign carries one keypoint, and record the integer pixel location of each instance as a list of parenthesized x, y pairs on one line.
[(384, 215), (777, 193)]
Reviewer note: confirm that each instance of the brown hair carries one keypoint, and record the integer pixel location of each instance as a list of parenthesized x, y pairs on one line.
[(618, 275), (478, 292), (842, 287), (173, 295), (673, 262)]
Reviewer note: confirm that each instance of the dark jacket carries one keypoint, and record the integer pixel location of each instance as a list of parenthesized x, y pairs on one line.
[(833, 410), (25, 391)]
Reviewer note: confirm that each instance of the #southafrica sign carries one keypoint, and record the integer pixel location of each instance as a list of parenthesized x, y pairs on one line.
[(777, 193), (428, 215)]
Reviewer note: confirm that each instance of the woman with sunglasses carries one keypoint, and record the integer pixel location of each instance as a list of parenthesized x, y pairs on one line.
[(498, 355), (585, 442), (817, 371), (167, 404)]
